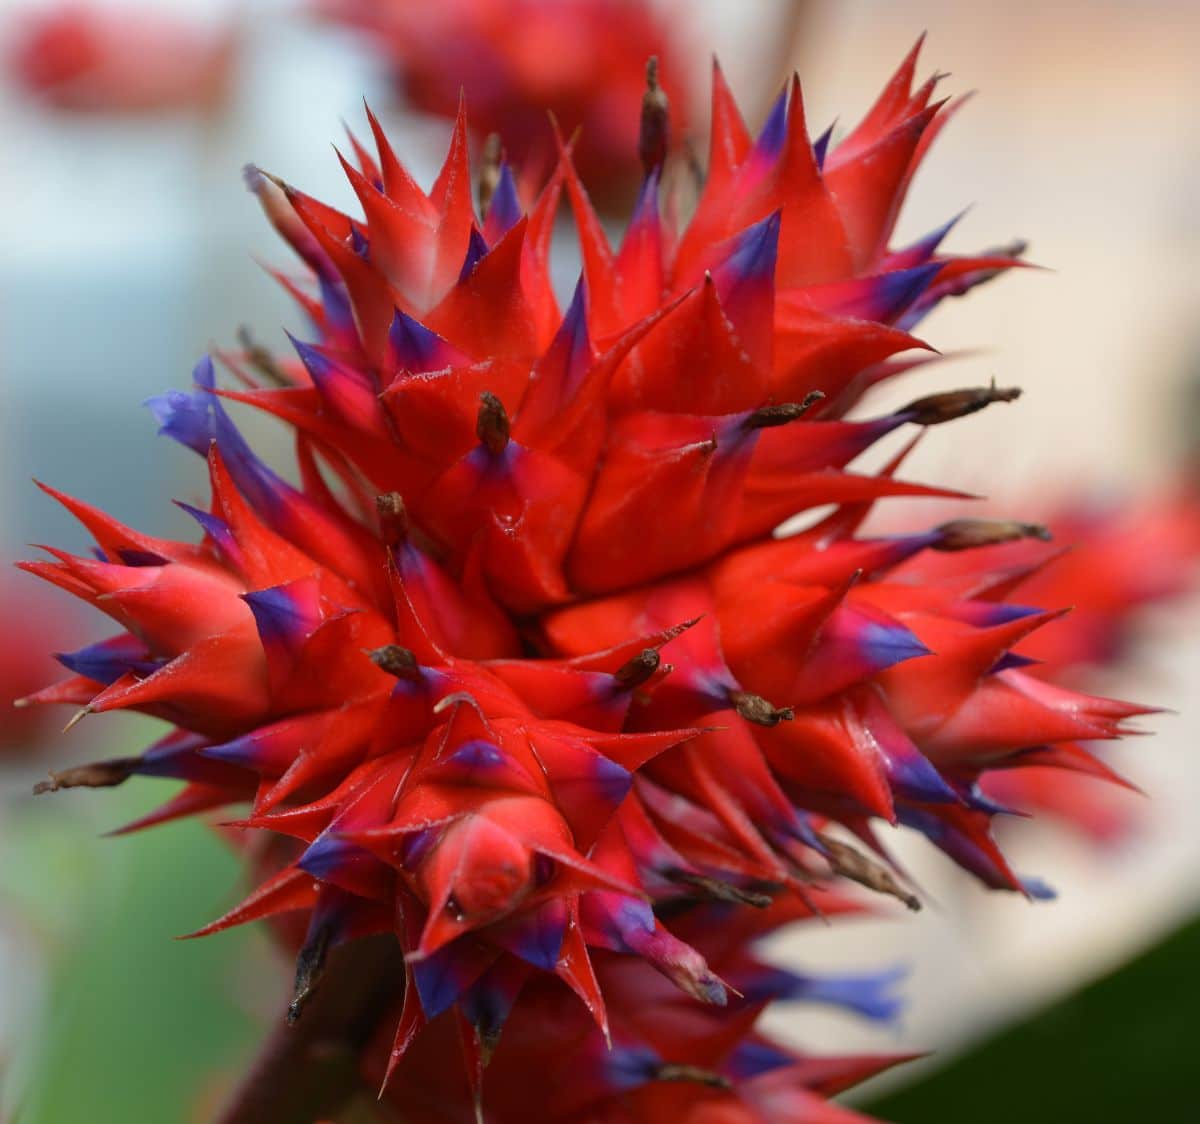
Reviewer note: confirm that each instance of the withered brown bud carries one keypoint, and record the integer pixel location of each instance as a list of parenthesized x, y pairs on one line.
[(254, 180), (396, 661), (965, 534), (853, 864), (956, 287), (767, 417), (1014, 249), (634, 672), (952, 404), (720, 890), (677, 1071), (655, 132), (491, 424), (393, 517), (694, 165), (98, 774), (488, 1038), (756, 709), (261, 358), (310, 963), (490, 160)]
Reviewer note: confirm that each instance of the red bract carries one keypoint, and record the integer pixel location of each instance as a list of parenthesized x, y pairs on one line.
[(519, 666), (1125, 556), (667, 1059), (518, 61), (91, 58)]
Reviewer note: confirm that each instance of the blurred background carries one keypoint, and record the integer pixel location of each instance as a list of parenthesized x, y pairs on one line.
[(129, 246)]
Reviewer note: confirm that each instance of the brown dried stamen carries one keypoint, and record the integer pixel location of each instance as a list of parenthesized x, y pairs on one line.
[(393, 517), (952, 404), (767, 417), (966, 534), (97, 774), (396, 661), (261, 358), (756, 709), (636, 671), (853, 864), (491, 424), (720, 890), (655, 131), (1014, 249), (310, 964), (677, 1071), (489, 171)]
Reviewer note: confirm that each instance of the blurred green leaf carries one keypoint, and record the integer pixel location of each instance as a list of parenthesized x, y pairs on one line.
[(138, 1025), (1123, 1049)]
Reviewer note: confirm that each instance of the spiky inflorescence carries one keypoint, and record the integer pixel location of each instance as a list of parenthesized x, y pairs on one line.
[(439, 665)]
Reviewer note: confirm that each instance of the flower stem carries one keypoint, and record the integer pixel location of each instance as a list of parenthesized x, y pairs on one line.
[(311, 1070)]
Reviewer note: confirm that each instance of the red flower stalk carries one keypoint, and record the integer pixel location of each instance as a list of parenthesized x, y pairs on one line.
[(519, 668)]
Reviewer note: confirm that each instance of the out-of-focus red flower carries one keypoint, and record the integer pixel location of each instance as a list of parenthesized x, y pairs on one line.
[(30, 629), (1125, 556), (1105, 814), (1111, 561), (91, 58), (518, 60)]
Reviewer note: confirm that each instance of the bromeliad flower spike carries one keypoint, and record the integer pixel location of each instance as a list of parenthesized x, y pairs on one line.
[(518, 677)]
